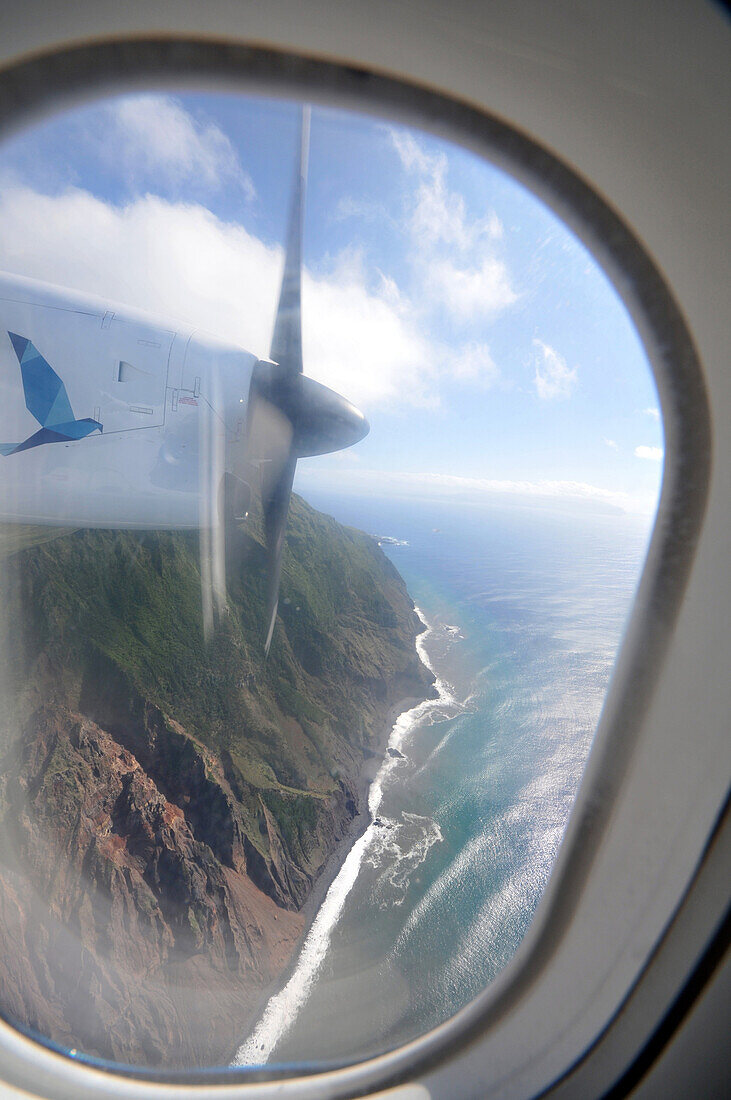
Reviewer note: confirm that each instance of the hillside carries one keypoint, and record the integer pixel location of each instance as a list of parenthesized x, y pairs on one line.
[(166, 801)]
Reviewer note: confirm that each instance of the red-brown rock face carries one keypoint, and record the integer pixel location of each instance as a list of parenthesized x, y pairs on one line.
[(117, 923)]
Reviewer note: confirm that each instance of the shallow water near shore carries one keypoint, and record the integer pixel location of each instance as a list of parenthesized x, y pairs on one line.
[(525, 612)]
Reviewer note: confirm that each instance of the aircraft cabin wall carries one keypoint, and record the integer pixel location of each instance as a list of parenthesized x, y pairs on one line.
[(635, 100)]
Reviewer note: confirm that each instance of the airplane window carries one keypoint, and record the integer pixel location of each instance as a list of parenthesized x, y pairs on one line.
[(329, 461)]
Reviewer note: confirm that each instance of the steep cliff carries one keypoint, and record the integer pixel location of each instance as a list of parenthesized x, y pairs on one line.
[(167, 801)]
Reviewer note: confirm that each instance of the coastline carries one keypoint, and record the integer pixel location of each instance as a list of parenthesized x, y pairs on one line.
[(359, 823), (313, 906), (335, 861)]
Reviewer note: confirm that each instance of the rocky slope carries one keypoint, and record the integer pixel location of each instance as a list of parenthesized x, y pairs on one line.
[(167, 801)]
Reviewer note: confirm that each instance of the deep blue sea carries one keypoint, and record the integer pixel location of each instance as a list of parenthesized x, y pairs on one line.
[(525, 610)]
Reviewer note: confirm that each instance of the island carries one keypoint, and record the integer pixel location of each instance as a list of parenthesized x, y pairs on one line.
[(170, 803)]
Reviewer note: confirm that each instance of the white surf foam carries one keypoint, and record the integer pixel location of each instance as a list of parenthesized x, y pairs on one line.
[(282, 1008), (398, 847)]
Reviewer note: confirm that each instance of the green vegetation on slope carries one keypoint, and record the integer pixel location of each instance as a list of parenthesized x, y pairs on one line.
[(111, 624)]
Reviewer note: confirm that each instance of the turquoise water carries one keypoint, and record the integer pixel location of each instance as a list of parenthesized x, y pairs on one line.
[(525, 611)]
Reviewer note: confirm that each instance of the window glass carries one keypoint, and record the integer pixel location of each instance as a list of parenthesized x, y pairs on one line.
[(282, 777)]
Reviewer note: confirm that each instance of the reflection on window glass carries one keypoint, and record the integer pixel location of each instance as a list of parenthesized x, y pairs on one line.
[(277, 786)]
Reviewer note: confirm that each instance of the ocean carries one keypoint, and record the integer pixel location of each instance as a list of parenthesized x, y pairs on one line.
[(524, 610)]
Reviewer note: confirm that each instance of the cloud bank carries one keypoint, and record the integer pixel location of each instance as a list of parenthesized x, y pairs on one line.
[(177, 260), (475, 490)]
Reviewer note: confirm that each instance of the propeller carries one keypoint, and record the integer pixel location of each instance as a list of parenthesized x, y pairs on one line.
[(290, 415)]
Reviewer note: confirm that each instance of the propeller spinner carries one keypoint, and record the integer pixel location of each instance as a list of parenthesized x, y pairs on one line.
[(292, 416)]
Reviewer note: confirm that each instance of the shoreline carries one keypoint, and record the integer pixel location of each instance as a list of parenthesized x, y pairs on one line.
[(359, 823), (335, 863)]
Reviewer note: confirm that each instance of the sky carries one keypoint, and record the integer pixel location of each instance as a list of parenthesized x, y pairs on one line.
[(491, 355)]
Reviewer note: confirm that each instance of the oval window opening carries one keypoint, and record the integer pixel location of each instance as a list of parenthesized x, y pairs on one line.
[(295, 703)]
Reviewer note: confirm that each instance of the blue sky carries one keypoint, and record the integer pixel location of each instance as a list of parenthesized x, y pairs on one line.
[(489, 352)]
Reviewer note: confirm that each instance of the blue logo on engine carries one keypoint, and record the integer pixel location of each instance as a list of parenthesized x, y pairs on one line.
[(47, 400)]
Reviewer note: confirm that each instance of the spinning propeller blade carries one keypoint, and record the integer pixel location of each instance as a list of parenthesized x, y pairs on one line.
[(291, 416), (286, 346), (286, 351)]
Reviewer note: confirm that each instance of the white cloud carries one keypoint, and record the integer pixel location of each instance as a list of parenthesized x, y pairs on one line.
[(612, 443), (654, 454), (390, 291), (170, 259), (167, 145), (179, 260), (653, 412), (473, 363), (553, 377), (453, 255), (494, 226), (362, 343), (412, 155), (440, 217), (480, 291), (348, 207)]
